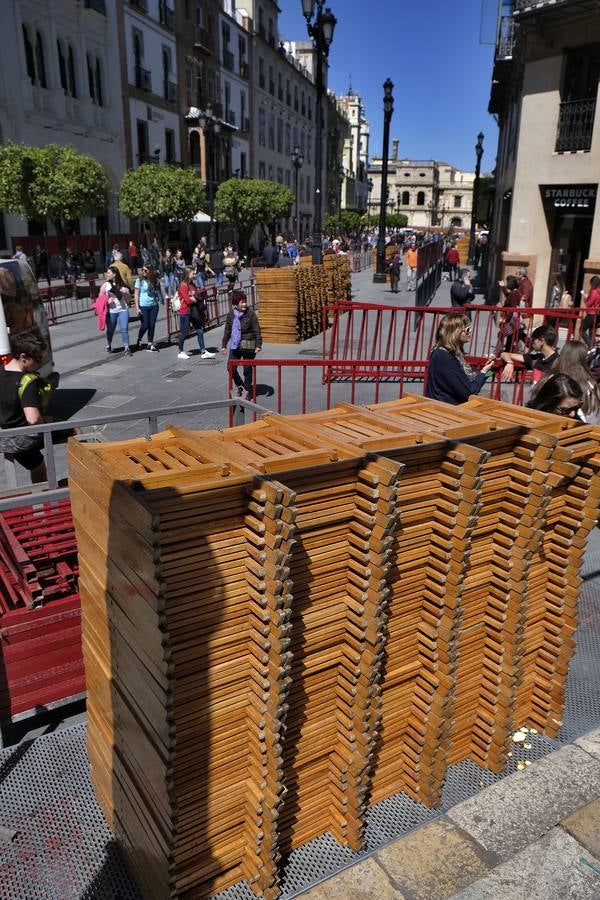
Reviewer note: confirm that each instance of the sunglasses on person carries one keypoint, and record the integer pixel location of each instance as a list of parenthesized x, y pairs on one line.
[(567, 410)]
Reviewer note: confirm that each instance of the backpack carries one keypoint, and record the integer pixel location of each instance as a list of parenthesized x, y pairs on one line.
[(44, 388)]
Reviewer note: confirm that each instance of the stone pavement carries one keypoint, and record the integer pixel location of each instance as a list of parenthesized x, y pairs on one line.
[(534, 835)]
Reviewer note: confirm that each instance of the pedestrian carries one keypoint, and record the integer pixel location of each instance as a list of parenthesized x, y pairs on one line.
[(411, 267), (539, 359), (217, 265), (393, 267), (199, 266), (24, 396), (525, 288), (593, 359), (147, 296), (231, 263), (452, 262), (590, 303), (144, 255), (242, 332), (461, 291), (450, 378), (118, 298), (132, 252), (70, 266), (168, 271), (510, 331), (40, 261), (558, 394), (284, 260), (155, 254), (192, 309), (270, 255), (573, 361), (20, 253), (179, 267), (89, 262)]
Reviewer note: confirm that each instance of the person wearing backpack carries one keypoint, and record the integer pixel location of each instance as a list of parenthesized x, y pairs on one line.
[(24, 396)]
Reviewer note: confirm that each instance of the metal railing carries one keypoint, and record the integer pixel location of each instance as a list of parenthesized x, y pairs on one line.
[(204, 39), (143, 79), (139, 4), (218, 304), (88, 428), (575, 125), (167, 16), (506, 38), (362, 332)]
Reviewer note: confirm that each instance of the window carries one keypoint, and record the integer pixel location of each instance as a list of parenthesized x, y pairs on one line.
[(91, 76), (62, 68), (309, 107), (303, 106), (262, 171), (280, 86), (405, 198), (29, 59), (296, 97), (280, 135), (279, 175), (242, 48), (421, 198), (457, 201), (288, 138), (422, 174), (270, 173), (288, 95), (262, 127), (39, 60), (169, 145), (243, 165), (142, 140), (271, 81), (302, 142), (309, 147), (243, 110), (71, 70), (308, 197), (288, 178), (271, 131), (261, 72)]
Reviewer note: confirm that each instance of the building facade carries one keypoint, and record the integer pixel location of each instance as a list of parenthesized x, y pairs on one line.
[(544, 94), (429, 192), (60, 83), (355, 153)]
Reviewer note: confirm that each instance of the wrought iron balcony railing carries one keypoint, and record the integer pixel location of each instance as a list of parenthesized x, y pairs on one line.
[(142, 5), (230, 116), (167, 16), (575, 125), (204, 39), (98, 6), (170, 91), (506, 38), (228, 60)]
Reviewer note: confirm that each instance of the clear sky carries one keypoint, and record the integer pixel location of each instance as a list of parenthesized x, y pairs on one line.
[(432, 51)]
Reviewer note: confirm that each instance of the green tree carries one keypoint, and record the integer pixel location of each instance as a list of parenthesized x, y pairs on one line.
[(161, 194), (247, 202), (349, 222), (392, 220), (54, 182)]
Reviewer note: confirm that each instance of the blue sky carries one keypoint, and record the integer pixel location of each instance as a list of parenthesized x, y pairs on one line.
[(441, 71)]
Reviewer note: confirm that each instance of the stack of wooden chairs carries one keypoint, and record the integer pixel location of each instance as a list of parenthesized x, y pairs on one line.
[(291, 300), (352, 601)]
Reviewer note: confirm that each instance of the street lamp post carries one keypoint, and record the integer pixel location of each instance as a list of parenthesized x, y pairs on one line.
[(211, 127), (369, 189), (297, 160), (321, 25), (478, 154), (388, 109)]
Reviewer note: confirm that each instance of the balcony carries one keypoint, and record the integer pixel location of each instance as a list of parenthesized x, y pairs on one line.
[(228, 60), (142, 5), (98, 6), (143, 79), (204, 40), (170, 92), (166, 16), (230, 117), (575, 125), (506, 39), (244, 70)]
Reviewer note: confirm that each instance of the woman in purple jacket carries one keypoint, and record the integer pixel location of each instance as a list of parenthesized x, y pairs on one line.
[(450, 378)]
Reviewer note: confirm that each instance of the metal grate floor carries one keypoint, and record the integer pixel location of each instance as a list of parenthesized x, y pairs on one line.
[(64, 850)]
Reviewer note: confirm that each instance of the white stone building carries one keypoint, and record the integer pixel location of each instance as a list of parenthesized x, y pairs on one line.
[(235, 87), (355, 153), (60, 83)]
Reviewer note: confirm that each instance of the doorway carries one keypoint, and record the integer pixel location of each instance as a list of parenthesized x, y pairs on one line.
[(570, 248)]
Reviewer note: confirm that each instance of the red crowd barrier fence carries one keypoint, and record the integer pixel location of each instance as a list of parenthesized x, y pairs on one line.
[(218, 304)]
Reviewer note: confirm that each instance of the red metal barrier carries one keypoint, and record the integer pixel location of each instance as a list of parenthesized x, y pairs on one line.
[(297, 386), (218, 304), (366, 331)]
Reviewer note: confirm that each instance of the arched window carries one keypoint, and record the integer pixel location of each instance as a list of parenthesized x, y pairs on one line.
[(405, 198), (29, 58), (71, 70), (456, 222), (39, 60), (421, 198), (62, 67)]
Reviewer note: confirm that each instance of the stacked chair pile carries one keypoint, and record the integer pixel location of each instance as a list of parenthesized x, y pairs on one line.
[(339, 278), (354, 600)]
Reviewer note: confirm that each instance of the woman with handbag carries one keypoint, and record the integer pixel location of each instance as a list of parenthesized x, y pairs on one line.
[(24, 396), (147, 297), (242, 332), (118, 297), (189, 311)]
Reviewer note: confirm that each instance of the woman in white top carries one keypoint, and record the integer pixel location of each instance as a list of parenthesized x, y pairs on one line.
[(119, 297)]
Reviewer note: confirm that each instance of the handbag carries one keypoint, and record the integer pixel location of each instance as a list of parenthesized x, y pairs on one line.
[(176, 302), (247, 344)]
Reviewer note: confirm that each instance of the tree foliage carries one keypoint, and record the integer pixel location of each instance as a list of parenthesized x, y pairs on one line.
[(160, 194), (349, 222), (392, 220), (247, 202), (54, 181)]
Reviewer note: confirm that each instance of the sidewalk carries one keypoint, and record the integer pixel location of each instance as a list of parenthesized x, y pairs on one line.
[(534, 835)]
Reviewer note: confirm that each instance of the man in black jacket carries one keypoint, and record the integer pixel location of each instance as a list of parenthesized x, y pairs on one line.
[(462, 291)]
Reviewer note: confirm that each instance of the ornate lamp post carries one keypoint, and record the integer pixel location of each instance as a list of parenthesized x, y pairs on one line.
[(369, 188), (321, 25), (478, 154), (388, 109), (211, 127), (297, 160)]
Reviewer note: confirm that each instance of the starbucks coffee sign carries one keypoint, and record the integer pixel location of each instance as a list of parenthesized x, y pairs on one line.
[(569, 196)]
